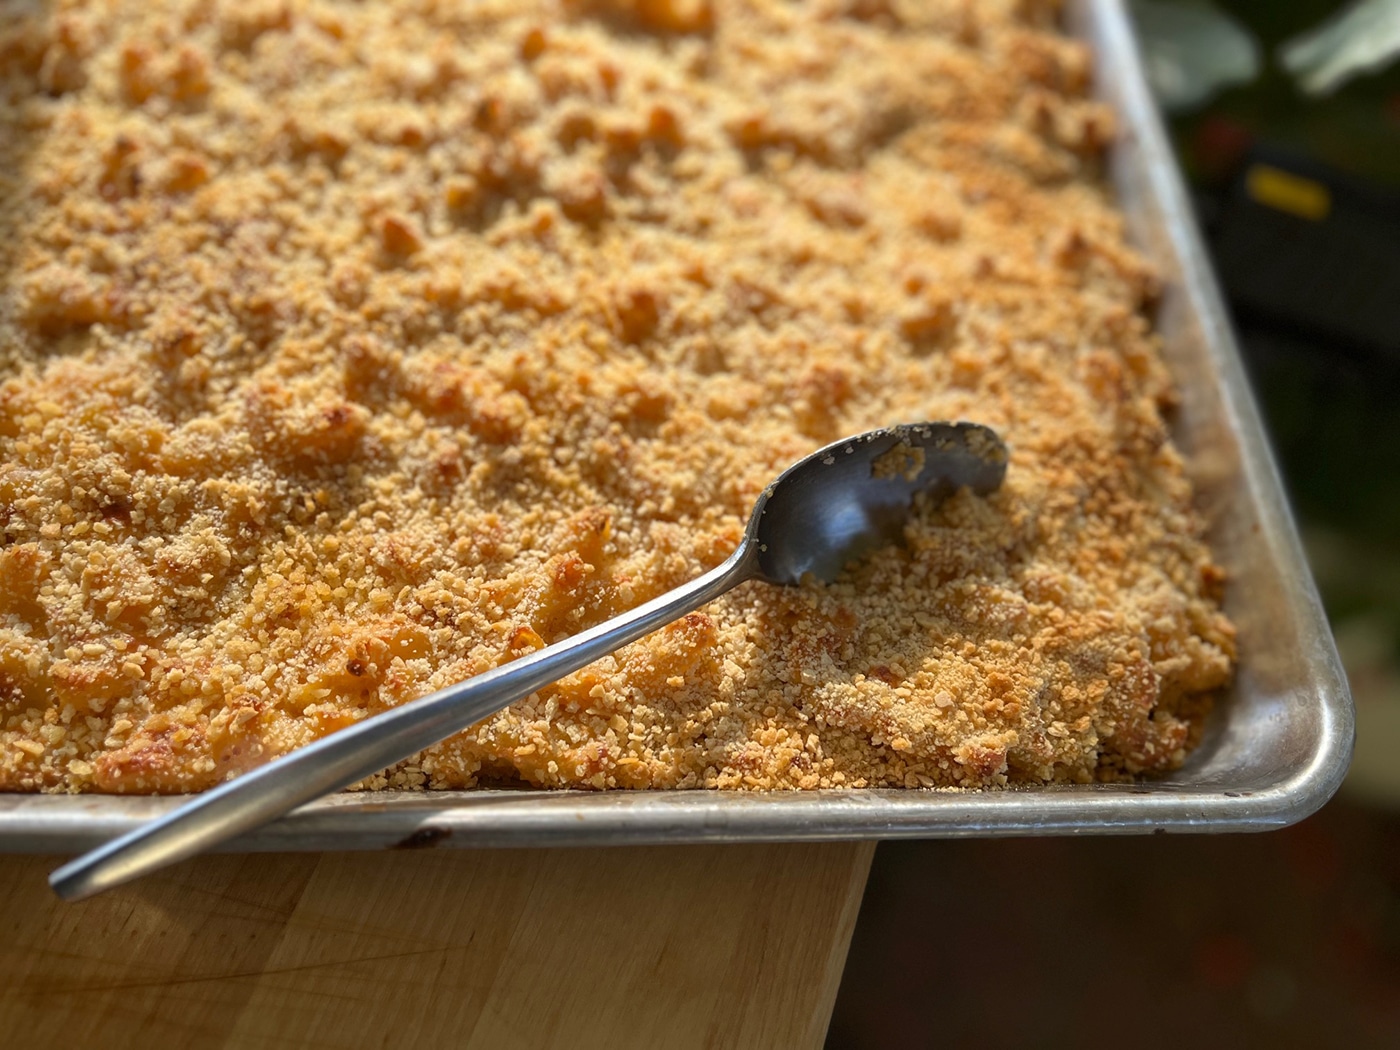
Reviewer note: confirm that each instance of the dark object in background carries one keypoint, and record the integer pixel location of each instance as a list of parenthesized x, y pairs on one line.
[(1309, 260), (1307, 249)]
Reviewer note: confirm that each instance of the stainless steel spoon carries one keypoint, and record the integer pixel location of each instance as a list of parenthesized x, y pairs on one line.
[(836, 504)]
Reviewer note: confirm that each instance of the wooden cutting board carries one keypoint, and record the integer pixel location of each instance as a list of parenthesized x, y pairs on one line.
[(657, 947)]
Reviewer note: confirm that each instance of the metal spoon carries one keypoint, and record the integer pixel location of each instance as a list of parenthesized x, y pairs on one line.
[(820, 513)]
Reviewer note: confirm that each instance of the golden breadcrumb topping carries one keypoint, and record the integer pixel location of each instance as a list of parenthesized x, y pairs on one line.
[(349, 350)]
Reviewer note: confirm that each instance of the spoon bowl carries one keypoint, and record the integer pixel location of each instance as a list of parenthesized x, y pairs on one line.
[(832, 506), (853, 496)]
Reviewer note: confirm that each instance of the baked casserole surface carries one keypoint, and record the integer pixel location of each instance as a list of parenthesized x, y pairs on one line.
[(347, 351)]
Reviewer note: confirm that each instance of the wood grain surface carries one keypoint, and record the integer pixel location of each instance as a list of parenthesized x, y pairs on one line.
[(665, 947)]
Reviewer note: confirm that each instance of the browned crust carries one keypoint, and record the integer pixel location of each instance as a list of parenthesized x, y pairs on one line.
[(350, 350)]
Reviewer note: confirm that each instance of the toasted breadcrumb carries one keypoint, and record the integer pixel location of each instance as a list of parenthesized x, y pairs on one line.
[(349, 350)]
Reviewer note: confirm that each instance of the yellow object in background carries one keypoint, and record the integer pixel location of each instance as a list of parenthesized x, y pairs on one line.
[(1275, 188)]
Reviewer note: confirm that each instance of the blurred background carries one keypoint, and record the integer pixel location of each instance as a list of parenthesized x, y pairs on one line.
[(1286, 119)]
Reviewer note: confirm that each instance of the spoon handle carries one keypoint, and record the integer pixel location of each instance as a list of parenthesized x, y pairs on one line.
[(367, 747)]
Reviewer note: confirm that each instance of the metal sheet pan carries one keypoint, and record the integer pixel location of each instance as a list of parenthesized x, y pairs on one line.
[(1277, 747)]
